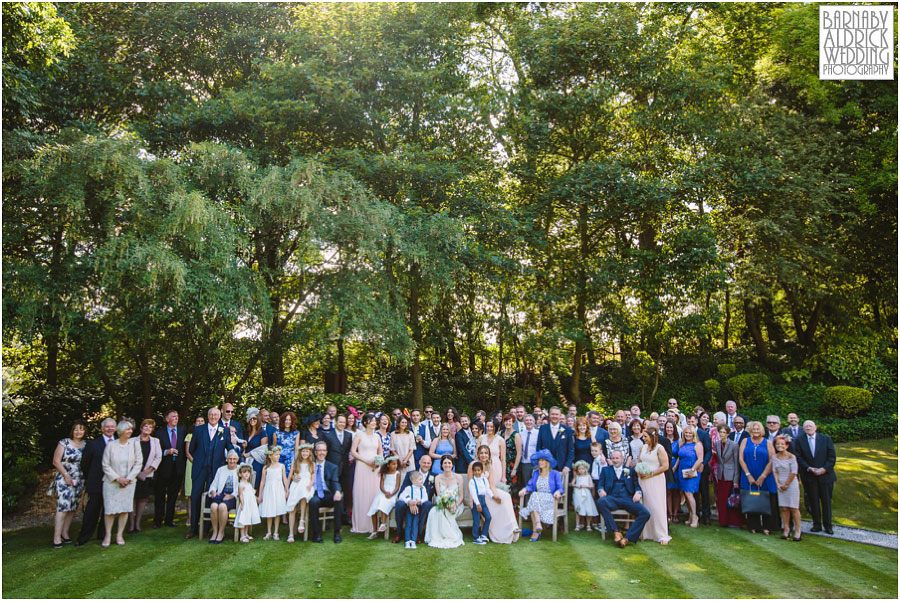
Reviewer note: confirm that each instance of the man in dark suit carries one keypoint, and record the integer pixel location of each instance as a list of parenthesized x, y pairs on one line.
[(793, 431), (415, 424), (739, 433), (339, 441), (92, 470), (227, 421), (169, 475), (208, 446), (597, 433), (401, 509), (815, 459), (703, 436), (463, 436), (619, 488), (327, 493), (559, 440)]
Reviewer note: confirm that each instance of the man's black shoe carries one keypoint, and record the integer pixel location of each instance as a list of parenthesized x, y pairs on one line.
[(318, 539), (816, 529), (829, 531), (156, 526), (337, 538)]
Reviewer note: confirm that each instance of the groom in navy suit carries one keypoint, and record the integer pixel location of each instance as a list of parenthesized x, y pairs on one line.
[(208, 446), (618, 488), (558, 439)]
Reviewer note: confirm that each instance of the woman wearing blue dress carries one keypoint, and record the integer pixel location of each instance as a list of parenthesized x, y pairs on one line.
[(755, 456), (286, 438), (673, 493), (256, 437), (689, 457), (445, 445)]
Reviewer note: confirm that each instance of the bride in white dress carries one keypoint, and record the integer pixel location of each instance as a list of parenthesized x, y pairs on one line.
[(441, 530)]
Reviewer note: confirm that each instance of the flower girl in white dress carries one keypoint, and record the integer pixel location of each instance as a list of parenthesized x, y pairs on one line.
[(273, 492), (301, 490), (247, 510), (388, 490), (583, 496)]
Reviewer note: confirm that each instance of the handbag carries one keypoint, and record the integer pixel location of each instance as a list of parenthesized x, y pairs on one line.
[(755, 501), (688, 473), (734, 501)]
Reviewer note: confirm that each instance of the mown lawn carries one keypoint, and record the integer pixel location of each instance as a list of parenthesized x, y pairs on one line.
[(707, 562), (865, 494)]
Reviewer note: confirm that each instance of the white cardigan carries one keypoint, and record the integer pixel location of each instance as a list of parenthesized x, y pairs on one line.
[(221, 476)]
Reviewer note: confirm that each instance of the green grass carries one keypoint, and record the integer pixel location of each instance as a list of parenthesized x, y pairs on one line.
[(865, 494), (706, 562)]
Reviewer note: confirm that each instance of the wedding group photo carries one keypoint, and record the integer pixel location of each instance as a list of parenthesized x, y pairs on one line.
[(404, 300)]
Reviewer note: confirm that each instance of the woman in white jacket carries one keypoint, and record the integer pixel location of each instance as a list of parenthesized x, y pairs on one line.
[(223, 496)]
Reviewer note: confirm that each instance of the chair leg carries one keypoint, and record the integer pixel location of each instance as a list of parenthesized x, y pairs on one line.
[(555, 526), (387, 526)]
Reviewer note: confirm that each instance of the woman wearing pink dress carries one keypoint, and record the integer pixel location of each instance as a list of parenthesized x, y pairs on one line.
[(497, 445), (504, 526), (653, 486), (366, 480), (403, 444)]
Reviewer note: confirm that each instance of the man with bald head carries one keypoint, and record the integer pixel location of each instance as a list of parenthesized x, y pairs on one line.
[(208, 446), (815, 459)]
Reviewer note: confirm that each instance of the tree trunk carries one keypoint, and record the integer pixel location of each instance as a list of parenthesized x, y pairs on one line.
[(272, 367), (773, 328), (751, 316), (144, 367), (52, 341), (499, 382), (342, 368)]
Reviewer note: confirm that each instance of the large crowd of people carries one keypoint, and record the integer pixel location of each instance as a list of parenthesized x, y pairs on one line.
[(431, 471)]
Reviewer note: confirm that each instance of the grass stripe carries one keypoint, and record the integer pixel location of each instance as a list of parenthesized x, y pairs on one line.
[(699, 570)]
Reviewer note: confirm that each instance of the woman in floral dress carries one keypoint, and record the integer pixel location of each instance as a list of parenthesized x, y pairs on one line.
[(68, 483)]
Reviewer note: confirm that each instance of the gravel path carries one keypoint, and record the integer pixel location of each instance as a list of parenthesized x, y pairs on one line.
[(858, 535)]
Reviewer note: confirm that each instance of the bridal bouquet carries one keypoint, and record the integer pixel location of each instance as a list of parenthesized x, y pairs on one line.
[(643, 468), (447, 501), (502, 486)]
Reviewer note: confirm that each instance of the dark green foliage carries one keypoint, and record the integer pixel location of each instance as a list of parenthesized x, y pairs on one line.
[(748, 389), (726, 370), (21, 456), (712, 387), (847, 401)]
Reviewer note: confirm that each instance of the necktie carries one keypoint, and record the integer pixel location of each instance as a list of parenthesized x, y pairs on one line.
[(527, 454), (173, 440), (812, 445), (320, 484), (794, 432)]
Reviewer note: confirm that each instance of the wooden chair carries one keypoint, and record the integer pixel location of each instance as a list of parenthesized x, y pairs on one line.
[(325, 514), (561, 510), (623, 519), (205, 516)]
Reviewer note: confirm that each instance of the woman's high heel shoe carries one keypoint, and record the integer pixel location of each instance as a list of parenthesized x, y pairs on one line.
[(694, 522)]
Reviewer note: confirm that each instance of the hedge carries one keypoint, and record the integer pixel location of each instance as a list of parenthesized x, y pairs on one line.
[(847, 401)]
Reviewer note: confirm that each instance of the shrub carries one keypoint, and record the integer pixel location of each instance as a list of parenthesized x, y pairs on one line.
[(866, 358), (712, 387), (21, 456), (870, 427), (847, 401), (748, 389), (302, 402), (726, 370), (50, 413)]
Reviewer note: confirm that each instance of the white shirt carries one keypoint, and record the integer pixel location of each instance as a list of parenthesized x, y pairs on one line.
[(619, 471), (479, 486), (212, 430), (340, 435), (414, 493), (729, 419), (531, 447), (812, 444), (554, 430), (598, 464)]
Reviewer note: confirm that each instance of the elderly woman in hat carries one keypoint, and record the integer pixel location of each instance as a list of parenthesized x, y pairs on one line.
[(257, 443), (545, 487)]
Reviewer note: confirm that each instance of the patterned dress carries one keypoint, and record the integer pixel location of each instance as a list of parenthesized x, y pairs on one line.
[(512, 477), (385, 443), (68, 497), (542, 501), (286, 441)]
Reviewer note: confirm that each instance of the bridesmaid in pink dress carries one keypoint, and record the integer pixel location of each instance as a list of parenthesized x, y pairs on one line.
[(366, 480), (497, 445), (653, 486), (403, 443), (504, 527)]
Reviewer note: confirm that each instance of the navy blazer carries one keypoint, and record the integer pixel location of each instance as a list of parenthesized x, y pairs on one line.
[(338, 453), (209, 455), (165, 443), (427, 482), (601, 436), (270, 435), (237, 427), (706, 441), (92, 465), (562, 447), (463, 459), (331, 477), (825, 456), (555, 481), (738, 439), (608, 478)]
